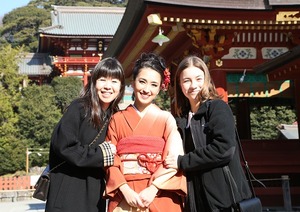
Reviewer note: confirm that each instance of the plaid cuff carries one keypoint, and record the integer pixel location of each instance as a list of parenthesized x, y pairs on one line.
[(108, 157)]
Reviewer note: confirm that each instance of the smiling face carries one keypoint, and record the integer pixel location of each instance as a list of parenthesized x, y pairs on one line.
[(191, 83), (146, 87), (107, 89)]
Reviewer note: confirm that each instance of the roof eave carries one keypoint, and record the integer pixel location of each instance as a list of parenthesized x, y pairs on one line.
[(285, 58), (134, 11), (74, 36), (251, 5)]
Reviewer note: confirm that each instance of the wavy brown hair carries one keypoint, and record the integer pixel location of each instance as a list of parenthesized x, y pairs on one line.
[(208, 90)]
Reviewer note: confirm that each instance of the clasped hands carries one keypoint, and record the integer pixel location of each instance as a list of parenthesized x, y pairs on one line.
[(143, 199), (140, 200)]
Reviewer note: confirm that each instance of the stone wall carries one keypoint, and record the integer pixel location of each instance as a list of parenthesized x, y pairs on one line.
[(15, 195)]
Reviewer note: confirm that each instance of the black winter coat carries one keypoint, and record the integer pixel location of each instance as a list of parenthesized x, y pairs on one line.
[(78, 184), (210, 144)]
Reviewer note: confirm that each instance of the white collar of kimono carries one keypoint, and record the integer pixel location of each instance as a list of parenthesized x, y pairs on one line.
[(136, 109)]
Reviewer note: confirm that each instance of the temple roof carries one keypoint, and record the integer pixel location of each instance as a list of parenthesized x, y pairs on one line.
[(35, 64), (84, 21), (288, 131), (187, 23), (232, 4), (288, 63)]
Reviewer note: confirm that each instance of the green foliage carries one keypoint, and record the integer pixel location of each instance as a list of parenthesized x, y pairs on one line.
[(10, 79), (21, 26), (9, 89), (28, 115), (66, 89), (265, 119), (8, 141), (38, 115), (12, 153), (11, 146), (163, 100), (7, 116)]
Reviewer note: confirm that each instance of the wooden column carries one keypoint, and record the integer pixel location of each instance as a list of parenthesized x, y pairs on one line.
[(219, 78), (85, 75), (297, 102), (243, 118)]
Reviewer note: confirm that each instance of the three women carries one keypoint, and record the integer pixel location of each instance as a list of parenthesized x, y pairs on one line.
[(143, 177)]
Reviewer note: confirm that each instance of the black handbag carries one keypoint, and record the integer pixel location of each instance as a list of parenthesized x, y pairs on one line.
[(43, 184), (252, 204)]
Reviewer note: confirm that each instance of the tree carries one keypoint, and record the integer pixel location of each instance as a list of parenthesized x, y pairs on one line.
[(11, 146), (10, 79), (66, 89), (20, 27), (38, 115), (266, 119), (163, 100)]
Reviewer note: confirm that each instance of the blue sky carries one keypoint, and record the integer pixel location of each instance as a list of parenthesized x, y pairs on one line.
[(8, 5)]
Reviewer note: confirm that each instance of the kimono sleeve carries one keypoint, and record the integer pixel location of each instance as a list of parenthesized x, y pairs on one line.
[(169, 178), (114, 173)]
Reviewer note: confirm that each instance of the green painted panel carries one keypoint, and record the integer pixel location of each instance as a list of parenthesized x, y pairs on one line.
[(235, 78)]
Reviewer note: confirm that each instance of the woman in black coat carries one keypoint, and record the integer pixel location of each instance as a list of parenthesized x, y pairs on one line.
[(77, 151), (207, 126)]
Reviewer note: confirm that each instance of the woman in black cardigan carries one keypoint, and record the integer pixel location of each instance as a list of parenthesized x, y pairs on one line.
[(207, 126), (78, 183)]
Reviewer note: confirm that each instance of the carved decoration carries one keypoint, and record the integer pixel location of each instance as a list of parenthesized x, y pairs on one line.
[(288, 16), (210, 42)]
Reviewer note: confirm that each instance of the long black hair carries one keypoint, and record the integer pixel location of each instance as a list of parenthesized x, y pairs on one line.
[(108, 67)]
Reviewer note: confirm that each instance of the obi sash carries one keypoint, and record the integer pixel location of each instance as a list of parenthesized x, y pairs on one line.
[(140, 154)]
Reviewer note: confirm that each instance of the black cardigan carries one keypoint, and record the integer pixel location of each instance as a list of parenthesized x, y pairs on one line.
[(215, 148), (78, 184)]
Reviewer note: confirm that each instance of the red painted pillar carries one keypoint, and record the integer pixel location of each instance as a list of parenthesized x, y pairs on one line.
[(85, 78), (219, 79), (85, 75)]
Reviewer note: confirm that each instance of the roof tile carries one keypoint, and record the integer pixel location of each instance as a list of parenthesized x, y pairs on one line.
[(35, 64), (73, 21)]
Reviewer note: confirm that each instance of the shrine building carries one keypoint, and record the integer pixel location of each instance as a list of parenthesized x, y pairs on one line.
[(78, 37), (252, 50)]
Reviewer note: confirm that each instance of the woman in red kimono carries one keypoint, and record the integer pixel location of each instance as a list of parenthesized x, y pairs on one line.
[(144, 135)]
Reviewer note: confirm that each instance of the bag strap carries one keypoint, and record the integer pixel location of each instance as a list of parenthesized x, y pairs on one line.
[(95, 139), (249, 174), (100, 132), (230, 181)]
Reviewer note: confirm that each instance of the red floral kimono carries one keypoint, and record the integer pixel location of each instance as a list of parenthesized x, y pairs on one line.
[(142, 144)]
